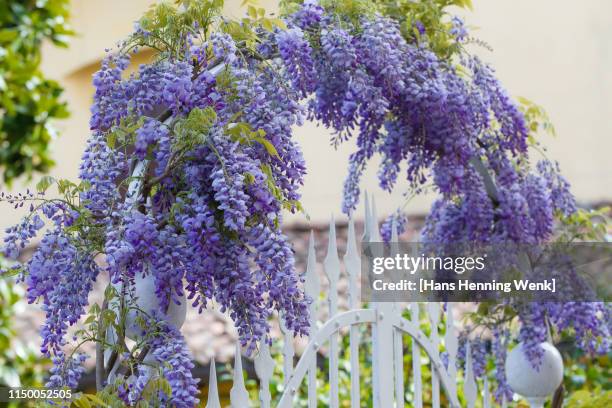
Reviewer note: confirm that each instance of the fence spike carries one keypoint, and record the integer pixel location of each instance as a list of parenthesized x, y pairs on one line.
[(433, 311), (332, 270), (352, 263), (416, 359), (312, 284), (239, 396), (398, 337), (313, 289), (470, 390), (486, 394), (213, 391), (366, 219), (398, 365), (264, 368), (451, 343), (374, 230), (288, 351)]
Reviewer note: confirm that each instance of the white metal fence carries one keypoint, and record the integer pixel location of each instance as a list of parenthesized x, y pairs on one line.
[(388, 328)]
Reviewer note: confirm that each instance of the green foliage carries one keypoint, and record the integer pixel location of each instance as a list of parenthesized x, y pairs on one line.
[(585, 225), (28, 100), (586, 399), (433, 15), (164, 26), (536, 118), (194, 129), (107, 398), (20, 364)]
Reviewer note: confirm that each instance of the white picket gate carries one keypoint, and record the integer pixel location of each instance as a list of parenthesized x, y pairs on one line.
[(388, 328)]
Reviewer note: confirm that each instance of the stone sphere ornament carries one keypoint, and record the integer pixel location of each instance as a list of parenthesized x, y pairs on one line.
[(148, 301), (535, 384)]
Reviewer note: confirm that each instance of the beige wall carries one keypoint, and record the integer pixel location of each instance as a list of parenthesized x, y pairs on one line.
[(555, 52)]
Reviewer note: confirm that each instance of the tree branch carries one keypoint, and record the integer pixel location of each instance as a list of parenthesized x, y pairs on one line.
[(490, 186), (100, 371)]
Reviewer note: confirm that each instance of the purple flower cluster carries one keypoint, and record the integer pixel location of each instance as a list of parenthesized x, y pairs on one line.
[(457, 127), (66, 371), (62, 276), (458, 29), (153, 134), (223, 270), (562, 198), (404, 102), (110, 99), (204, 221), (386, 229), (478, 351), (533, 331), (310, 14), (337, 46), (18, 236), (170, 351), (132, 394), (208, 225), (499, 350), (589, 321), (296, 53), (101, 167)]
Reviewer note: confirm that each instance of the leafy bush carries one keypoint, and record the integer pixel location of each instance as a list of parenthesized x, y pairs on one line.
[(21, 365), (28, 100)]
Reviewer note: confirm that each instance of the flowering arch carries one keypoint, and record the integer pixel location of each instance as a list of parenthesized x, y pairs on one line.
[(206, 132)]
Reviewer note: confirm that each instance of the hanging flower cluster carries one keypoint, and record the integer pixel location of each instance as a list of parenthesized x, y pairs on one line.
[(443, 120), (214, 134), (170, 353), (184, 178)]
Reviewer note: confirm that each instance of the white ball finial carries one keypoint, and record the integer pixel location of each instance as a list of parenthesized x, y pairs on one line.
[(535, 384), (149, 302)]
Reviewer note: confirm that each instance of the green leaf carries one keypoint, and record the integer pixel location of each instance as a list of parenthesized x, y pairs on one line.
[(278, 23), (111, 140), (7, 35), (268, 145), (45, 182), (267, 24), (252, 11), (89, 401)]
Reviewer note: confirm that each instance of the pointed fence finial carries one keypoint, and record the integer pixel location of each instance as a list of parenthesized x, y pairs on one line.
[(213, 391), (332, 266), (374, 230), (366, 220), (239, 396), (288, 350), (451, 343), (486, 394), (312, 285), (264, 368), (470, 389), (352, 262)]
